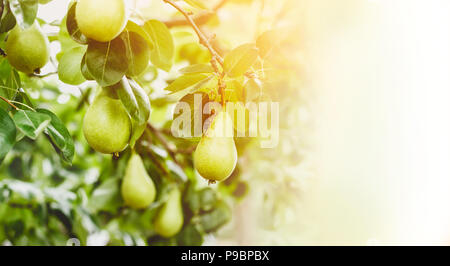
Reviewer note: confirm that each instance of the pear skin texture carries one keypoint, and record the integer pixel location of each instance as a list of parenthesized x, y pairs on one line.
[(138, 189), (216, 156), (169, 220), (106, 125), (27, 49), (101, 20)]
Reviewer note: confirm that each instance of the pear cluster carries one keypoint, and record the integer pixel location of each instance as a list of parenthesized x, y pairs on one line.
[(105, 20), (139, 192)]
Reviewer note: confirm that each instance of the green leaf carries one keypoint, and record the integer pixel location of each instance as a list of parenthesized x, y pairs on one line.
[(234, 92), (190, 236), (186, 81), (84, 70), (31, 123), (197, 69), (11, 84), (203, 200), (59, 136), (138, 52), (25, 11), (8, 21), (219, 216), (72, 26), (253, 90), (239, 60), (208, 198), (104, 196), (196, 4), (69, 68), (134, 99), (107, 62), (137, 129), (133, 27), (209, 85), (160, 41), (7, 134)]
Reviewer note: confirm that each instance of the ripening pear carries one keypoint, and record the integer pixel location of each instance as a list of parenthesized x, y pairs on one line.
[(138, 189), (27, 49), (169, 220), (106, 125), (216, 156), (101, 20)]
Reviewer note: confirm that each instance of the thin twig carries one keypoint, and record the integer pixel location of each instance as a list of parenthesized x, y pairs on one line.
[(27, 106), (202, 38), (199, 20), (163, 141), (8, 102), (222, 84), (189, 150), (153, 157)]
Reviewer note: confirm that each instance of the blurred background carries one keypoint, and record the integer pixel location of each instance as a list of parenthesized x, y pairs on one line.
[(364, 152)]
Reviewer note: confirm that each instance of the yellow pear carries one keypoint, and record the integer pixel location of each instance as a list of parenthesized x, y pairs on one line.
[(106, 125), (138, 189), (169, 220), (216, 156), (101, 20), (27, 49)]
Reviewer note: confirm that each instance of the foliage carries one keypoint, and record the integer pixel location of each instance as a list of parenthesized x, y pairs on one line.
[(54, 187)]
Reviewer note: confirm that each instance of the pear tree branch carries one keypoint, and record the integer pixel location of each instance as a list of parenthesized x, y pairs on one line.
[(167, 146), (202, 38), (199, 20), (9, 102), (205, 42)]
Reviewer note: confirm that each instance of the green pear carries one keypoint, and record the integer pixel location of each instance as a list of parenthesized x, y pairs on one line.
[(216, 156), (27, 49), (138, 189), (106, 125), (101, 20), (169, 220)]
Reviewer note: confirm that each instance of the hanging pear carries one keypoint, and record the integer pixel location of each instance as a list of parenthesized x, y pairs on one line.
[(28, 49), (101, 20), (138, 189), (106, 125), (216, 156), (169, 220)]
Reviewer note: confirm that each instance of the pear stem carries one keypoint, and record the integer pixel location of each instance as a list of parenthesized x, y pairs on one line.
[(8, 102)]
